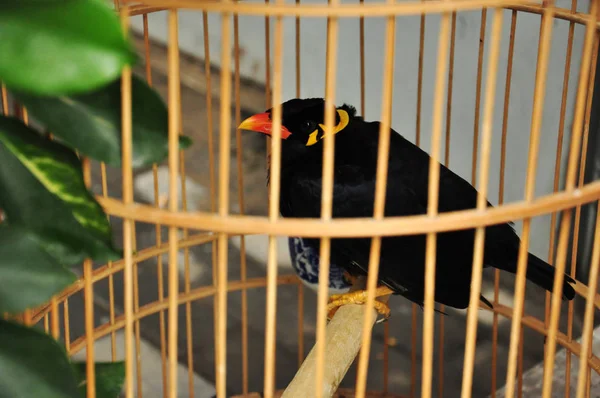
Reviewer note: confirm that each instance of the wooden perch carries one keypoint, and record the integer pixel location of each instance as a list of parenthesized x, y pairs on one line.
[(342, 342)]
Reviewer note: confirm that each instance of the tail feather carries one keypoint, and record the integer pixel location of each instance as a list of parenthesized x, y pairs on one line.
[(542, 274)]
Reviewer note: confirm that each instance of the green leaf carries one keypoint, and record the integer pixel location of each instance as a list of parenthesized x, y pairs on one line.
[(91, 122), (110, 377), (33, 364), (184, 142), (29, 275), (42, 189), (61, 47)]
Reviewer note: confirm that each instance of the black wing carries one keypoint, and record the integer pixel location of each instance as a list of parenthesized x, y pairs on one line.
[(402, 258), (455, 193)]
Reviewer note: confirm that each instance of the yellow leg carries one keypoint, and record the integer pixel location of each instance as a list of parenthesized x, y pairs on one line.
[(359, 297)]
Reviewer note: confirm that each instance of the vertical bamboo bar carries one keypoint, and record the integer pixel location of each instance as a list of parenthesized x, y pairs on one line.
[(386, 326), (432, 206), (158, 232), (189, 334), (327, 195), (362, 105), (520, 353), (224, 167), (584, 150), (89, 303), (188, 308), (268, 102), (508, 83), (146, 33), (25, 115), (127, 175), (486, 144), (161, 293), (134, 247), (174, 128), (111, 284), (580, 183), (300, 285), (478, 93), (136, 322), (576, 138), (240, 188), (538, 104), (211, 168), (267, 62), (297, 49), (588, 322), (361, 28), (413, 353), (186, 252), (4, 95), (420, 84), (274, 193), (559, 148), (447, 164), (54, 323), (379, 205), (67, 326), (449, 108), (27, 317)]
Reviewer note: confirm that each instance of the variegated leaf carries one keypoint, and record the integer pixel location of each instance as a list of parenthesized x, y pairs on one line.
[(42, 188)]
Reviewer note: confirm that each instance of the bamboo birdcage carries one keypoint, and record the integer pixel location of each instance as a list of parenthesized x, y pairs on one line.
[(492, 96)]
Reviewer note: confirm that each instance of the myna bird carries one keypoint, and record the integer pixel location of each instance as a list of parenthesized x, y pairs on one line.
[(402, 259)]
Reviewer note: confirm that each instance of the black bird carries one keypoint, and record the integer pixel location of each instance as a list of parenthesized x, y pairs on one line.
[(402, 260)]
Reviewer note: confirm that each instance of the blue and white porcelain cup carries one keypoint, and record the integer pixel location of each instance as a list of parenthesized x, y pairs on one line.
[(305, 261)]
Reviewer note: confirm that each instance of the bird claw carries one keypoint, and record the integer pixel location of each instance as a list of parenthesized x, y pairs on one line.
[(359, 297)]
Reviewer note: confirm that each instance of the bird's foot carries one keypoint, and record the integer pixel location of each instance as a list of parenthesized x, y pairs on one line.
[(359, 297)]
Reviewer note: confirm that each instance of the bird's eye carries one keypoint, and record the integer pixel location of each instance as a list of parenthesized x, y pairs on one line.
[(307, 125)]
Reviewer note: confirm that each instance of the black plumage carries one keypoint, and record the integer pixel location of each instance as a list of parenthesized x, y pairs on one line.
[(402, 260)]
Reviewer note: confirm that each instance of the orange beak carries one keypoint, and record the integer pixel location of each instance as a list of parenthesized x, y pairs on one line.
[(261, 123)]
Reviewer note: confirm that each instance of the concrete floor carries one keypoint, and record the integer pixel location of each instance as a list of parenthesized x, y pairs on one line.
[(201, 339)]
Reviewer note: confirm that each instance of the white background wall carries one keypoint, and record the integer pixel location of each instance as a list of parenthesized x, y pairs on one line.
[(313, 39)]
